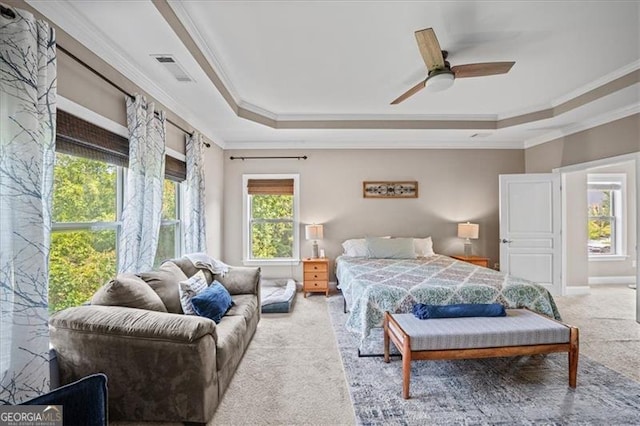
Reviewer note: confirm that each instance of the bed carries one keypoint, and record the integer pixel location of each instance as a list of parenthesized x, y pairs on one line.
[(372, 286)]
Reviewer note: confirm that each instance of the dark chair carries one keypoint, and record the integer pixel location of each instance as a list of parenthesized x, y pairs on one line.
[(83, 402)]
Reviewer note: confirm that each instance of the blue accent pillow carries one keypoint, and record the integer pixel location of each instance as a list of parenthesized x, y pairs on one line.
[(213, 303), (422, 311)]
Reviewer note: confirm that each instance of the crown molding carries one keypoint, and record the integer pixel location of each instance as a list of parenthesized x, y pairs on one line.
[(66, 16), (592, 122), (388, 144)]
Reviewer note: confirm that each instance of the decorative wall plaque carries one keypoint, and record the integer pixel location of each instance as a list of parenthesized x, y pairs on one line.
[(390, 189)]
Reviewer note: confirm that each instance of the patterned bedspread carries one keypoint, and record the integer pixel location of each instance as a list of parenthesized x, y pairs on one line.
[(373, 286)]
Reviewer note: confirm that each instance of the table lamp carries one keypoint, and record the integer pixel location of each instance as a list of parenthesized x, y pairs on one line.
[(468, 231), (314, 232)]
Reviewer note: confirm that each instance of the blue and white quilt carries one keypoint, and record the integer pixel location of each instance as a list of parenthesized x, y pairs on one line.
[(373, 286)]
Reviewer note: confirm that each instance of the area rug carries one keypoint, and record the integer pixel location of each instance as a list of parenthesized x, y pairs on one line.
[(498, 391)]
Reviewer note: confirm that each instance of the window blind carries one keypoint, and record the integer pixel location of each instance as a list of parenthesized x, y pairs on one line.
[(270, 186), (75, 136)]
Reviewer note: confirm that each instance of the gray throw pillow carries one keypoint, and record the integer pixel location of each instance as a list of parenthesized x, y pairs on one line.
[(129, 291), (166, 283), (391, 248)]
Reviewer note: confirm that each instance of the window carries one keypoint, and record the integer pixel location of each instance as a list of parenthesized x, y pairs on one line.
[(85, 229), (170, 241), (270, 209), (605, 196)]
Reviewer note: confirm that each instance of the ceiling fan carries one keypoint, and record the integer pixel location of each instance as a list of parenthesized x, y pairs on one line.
[(441, 74)]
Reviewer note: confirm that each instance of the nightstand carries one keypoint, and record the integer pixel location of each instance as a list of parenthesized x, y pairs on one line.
[(316, 276), (476, 260)]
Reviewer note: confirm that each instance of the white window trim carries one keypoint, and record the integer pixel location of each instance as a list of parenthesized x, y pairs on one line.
[(246, 255), (620, 213)]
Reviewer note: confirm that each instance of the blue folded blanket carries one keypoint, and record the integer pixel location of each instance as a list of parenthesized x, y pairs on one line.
[(422, 311)]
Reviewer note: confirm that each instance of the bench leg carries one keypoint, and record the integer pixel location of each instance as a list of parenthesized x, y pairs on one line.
[(386, 337), (573, 356), (406, 366)]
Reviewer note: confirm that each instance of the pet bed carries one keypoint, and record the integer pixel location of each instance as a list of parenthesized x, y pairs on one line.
[(277, 295)]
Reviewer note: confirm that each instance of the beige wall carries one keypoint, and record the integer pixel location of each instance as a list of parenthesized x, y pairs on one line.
[(454, 186), (608, 140), (576, 229), (214, 187)]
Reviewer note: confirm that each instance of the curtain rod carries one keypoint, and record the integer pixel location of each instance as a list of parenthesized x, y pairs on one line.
[(90, 68), (304, 157)]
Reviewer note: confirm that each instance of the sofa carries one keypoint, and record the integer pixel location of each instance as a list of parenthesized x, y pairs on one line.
[(162, 365)]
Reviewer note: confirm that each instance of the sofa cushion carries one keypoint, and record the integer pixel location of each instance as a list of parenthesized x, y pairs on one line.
[(213, 302), (166, 282), (190, 270), (230, 344), (240, 280), (245, 305), (129, 291), (189, 289)]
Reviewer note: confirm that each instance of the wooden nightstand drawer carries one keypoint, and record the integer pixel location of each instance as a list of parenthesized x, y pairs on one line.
[(315, 267), (315, 285), (316, 276), (475, 260)]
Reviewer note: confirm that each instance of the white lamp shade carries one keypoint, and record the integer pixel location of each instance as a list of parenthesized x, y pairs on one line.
[(468, 230), (313, 232)]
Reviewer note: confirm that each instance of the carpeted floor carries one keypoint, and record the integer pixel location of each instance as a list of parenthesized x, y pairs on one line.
[(520, 390)]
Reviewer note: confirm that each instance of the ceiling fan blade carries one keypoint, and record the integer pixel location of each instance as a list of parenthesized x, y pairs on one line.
[(430, 49), (415, 89), (479, 70)]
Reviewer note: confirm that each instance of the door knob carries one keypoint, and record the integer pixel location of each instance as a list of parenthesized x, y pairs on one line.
[(505, 241)]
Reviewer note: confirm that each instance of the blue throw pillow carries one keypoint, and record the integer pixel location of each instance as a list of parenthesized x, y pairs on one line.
[(422, 311), (213, 303)]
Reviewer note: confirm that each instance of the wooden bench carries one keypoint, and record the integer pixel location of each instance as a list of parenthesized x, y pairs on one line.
[(521, 332)]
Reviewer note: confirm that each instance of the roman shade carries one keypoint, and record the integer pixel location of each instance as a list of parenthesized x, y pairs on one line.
[(270, 186), (75, 136)]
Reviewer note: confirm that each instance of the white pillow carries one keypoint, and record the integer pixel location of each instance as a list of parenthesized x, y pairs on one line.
[(423, 247), (191, 288), (356, 247)]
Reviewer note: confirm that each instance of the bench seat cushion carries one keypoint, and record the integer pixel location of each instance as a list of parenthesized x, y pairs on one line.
[(519, 328)]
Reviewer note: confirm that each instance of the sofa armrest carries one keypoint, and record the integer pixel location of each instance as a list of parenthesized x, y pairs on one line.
[(137, 323), (241, 280), (161, 366)]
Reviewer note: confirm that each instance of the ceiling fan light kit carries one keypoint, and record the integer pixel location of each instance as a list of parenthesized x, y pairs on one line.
[(440, 80), (440, 74)]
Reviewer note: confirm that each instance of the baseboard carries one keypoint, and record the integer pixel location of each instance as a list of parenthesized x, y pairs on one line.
[(628, 279), (576, 290)]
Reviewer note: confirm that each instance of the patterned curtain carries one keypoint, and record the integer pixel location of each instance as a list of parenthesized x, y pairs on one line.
[(27, 155), (142, 210), (195, 235)]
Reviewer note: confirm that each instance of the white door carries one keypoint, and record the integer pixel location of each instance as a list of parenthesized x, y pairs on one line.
[(530, 221)]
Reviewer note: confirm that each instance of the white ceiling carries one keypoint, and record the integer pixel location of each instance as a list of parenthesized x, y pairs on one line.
[(318, 61)]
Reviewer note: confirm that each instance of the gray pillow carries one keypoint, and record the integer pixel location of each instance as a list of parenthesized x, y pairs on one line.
[(129, 291), (390, 248), (166, 283)]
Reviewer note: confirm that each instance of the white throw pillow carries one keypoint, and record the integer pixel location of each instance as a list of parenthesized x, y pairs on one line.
[(189, 289), (356, 247), (423, 247)]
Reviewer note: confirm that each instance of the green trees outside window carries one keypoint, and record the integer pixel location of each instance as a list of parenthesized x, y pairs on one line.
[(271, 226), (83, 241), (601, 223)]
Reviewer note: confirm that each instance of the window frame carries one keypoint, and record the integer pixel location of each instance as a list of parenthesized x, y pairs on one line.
[(618, 214), (247, 220)]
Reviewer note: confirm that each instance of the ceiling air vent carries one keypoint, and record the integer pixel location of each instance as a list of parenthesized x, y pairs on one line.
[(171, 65)]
